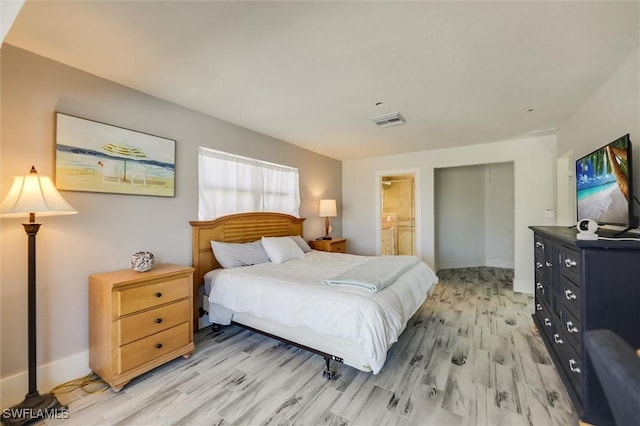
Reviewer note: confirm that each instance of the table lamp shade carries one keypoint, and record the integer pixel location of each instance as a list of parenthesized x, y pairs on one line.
[(34, 194), (328, 208)]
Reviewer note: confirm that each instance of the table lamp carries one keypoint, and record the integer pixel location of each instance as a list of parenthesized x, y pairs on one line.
[(327, 209)]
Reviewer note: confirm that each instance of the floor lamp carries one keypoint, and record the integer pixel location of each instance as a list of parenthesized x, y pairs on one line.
[(30, 195)]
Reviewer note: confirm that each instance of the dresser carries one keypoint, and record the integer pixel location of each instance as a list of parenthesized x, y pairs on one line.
[(579, 286), (139, 320), (335, 245)]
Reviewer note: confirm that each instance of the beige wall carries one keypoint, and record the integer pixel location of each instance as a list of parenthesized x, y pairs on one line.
[(459, 228), (109, 228), (612, 111), (499, 215)]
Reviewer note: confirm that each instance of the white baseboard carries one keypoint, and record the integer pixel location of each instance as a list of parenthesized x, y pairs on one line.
[(500, 263), (520, 286), (460, 263), (14, 388)]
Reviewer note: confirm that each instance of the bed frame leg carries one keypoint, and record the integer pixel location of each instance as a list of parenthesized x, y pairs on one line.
[(327, 373)]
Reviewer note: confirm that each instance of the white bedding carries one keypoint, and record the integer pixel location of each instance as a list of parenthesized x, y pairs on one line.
[(294, 295), (376, 274)]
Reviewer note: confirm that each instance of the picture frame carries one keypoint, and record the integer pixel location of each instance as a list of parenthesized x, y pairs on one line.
[(96, 157)]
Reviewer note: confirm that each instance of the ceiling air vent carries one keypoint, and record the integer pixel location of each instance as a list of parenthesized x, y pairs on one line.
[(388, 120)]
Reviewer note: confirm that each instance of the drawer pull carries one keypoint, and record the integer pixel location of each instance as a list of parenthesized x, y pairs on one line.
[(158, 294), (538, 307), (569, 263), (571, 328), (539, 245), (158, 345), (547, 322), (158, 320), (538, 265), (557, 339), (549, 264), (539, 286), (570, 295), (573, 369)]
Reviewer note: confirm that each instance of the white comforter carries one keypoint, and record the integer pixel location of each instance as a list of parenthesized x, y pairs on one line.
[(292, 293)]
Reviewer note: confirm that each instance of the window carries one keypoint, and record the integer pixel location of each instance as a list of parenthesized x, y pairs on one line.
[(230, 184)]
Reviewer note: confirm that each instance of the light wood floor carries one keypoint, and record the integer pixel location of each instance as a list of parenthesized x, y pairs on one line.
[(469, 356)]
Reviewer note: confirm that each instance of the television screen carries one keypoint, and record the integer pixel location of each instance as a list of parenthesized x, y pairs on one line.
[(603, 183)]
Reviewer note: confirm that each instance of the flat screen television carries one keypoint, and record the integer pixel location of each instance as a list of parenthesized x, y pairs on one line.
[(604, 185)]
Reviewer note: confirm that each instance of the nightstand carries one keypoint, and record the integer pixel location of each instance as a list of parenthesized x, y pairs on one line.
[(336, 245), (139, 321)]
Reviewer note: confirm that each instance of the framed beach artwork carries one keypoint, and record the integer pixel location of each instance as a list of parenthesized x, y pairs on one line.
[(97, 157)]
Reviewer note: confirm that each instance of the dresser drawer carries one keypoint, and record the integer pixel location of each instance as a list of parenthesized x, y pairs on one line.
[(558, 339), (572, 330), (143, 324), (539, 246), (570, 263), (571, 294), (137, 353), (544, 317), (572, 365), (540, 290), (151, 295)]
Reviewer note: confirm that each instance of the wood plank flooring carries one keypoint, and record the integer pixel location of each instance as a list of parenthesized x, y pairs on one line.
[(468, 357)]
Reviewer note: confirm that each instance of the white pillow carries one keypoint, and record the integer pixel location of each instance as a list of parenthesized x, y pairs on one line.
[(281, 249), (232, 255), (301, 243)]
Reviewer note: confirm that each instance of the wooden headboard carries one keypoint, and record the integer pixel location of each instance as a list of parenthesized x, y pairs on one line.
[(236, 228)]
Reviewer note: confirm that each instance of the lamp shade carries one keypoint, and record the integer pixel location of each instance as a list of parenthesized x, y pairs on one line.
[(34, 194), (328, 208)]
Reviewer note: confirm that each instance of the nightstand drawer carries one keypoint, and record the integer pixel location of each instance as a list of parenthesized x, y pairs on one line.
[(336, 245), (339, 247), (140, 325), (150, 295), (148, 349)]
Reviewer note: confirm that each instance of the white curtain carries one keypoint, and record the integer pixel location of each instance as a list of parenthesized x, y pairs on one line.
[(230, 184)]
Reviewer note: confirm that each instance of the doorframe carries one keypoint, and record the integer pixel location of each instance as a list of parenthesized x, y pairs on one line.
[(418, 206)]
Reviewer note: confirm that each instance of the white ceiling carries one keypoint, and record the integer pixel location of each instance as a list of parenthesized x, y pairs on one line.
[(310, 73)]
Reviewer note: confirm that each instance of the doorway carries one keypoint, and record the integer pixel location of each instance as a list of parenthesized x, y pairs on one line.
[(398, 214)]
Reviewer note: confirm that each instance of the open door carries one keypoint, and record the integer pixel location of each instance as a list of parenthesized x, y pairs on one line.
[(398, 214)]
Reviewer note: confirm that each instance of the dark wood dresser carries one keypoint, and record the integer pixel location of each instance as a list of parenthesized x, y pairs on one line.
[(579, 286)]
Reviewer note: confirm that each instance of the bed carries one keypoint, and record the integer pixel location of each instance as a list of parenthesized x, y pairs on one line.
[(340, 322)]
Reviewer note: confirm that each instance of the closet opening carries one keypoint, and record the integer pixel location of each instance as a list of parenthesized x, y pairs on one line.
[(474, 216)]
